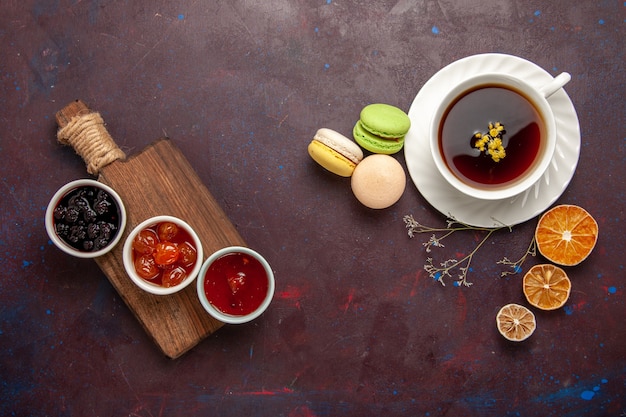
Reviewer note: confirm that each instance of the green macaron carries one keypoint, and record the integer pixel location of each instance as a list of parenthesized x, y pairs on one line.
[(381, 128), (385, 120), (376, 144)]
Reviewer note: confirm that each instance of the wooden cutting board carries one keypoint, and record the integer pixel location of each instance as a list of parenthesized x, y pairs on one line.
[(160, 181)]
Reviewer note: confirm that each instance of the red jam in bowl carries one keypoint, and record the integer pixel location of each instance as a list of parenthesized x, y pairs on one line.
[(236, 284), (164, 254)]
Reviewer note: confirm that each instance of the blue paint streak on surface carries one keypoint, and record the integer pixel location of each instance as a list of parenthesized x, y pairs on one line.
[(481, 402), (581, 390), (101, 297), (587, 395), (448, 357), (559, 395), (45, 8)]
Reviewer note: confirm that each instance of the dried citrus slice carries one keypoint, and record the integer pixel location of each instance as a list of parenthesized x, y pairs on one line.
[(566, 234), (515, 322), (546, 286)]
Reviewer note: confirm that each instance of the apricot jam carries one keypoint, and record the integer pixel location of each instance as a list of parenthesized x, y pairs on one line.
[(164, 254)]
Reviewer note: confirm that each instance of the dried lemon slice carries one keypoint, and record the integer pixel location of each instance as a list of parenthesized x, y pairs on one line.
[(546, 286), (515, 322), (566, 234)]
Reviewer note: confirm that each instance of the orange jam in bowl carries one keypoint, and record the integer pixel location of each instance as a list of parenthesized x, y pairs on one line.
[(162, 255)]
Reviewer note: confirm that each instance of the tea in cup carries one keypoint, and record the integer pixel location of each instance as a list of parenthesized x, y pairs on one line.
[(493, 135)]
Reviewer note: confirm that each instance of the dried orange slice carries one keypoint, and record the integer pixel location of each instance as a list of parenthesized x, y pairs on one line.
[(515, 322), (546, 286), (566, 234)]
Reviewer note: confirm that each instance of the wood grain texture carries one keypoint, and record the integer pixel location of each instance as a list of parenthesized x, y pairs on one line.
[(160, 181)]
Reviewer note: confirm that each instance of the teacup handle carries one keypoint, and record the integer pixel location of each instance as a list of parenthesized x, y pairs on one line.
[(555, 85)]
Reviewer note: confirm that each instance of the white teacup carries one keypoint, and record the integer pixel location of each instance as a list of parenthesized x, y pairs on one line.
[(529, 138)]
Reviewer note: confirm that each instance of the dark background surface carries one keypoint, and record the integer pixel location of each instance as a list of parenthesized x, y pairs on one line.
[(357, 328)]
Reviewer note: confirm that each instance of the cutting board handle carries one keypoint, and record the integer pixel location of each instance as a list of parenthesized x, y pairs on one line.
[(85, 131)]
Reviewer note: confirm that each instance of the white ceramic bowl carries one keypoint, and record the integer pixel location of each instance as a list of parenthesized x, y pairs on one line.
[(51, 223), (230, 318), (149, 286)]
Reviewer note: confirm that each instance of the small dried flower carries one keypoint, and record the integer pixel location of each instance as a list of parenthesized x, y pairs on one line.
[(496, 130), (491, 142)]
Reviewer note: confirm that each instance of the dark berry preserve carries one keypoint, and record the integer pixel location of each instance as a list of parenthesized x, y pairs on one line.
[(471, 113), (87, 218)]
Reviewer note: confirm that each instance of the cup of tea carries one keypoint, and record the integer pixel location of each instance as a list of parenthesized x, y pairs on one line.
[(493, 135)]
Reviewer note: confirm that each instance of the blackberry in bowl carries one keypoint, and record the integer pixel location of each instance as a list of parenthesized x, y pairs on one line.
[(85, 218)]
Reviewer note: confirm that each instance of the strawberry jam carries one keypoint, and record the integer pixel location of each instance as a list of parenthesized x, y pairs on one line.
[(236, 284)]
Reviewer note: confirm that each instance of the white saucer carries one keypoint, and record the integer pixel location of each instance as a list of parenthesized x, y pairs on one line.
[(490, 213)]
